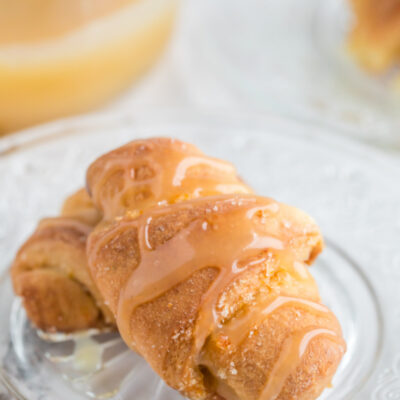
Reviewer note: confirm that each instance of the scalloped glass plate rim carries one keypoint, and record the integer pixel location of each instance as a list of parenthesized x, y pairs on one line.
[(256, 123)]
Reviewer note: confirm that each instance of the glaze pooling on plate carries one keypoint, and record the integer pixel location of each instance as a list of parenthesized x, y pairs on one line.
[(296, 162)]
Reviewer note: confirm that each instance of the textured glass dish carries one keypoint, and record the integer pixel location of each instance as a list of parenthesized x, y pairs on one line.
[(288, 56), (351, 190)]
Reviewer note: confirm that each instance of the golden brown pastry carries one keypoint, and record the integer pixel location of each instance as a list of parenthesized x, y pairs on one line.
[(80, 206), (159, 171), (51, 275), (207, 281), (375, 38), (212, 291), (215, 295), (50, 271)]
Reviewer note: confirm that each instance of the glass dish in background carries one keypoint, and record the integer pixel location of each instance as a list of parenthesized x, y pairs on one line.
[(351, 190), (59, 58), (287, 56)]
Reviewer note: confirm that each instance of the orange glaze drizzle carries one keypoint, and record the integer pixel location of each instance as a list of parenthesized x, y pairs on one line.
[(225, 236), (189, 251), (171, 171), (290, 357), (237, 329)]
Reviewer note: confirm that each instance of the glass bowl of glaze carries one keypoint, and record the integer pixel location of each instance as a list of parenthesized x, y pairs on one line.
[(349, 188), (62, 58)]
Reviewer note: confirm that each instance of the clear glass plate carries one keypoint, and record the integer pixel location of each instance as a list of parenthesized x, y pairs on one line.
[(351, 190), (288, 56)]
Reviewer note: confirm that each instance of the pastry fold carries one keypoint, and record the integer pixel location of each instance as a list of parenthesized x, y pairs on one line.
[(50, 271), (215, 294), (155, 172), (51, 275)]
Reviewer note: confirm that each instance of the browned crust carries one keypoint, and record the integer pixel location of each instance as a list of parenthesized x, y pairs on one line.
[(147, 162), (54, 302), (119, 257), (162, 329), (51, 275)]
